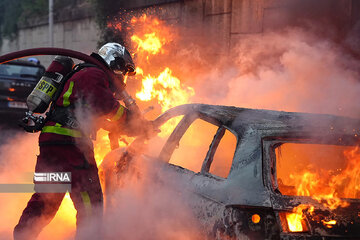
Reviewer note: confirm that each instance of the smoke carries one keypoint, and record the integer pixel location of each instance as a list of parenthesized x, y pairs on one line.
[(291, 70), (18, 158), (149, 204), (308, 67)]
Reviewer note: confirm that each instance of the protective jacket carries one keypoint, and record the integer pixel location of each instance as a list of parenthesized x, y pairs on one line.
[(87, 90), (61, 150)]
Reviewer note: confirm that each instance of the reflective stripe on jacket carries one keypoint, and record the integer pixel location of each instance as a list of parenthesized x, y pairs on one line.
[(89, 87)]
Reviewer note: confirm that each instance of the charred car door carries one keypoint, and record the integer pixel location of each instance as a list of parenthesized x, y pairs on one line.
[(200, 152)]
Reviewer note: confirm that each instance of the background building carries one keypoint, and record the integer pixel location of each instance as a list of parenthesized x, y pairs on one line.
[(224, 22)]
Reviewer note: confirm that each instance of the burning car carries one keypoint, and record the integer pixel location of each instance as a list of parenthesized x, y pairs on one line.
[(261, 174)]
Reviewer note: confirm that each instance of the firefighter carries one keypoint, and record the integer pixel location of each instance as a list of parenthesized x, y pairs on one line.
[(65, 144)]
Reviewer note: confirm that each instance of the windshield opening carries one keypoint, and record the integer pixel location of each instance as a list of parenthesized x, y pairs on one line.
[(318, 170)]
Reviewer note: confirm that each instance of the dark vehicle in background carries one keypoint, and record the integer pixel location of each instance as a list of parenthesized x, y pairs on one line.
[(17, 79)]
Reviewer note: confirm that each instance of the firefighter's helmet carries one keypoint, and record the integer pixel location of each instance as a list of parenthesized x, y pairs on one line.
[(117, 58)]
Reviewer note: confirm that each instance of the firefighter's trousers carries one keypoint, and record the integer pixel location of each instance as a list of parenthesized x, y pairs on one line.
[(86, 193)]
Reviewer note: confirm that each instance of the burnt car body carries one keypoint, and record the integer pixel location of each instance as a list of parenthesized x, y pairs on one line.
[(246, 202), (17, 79)]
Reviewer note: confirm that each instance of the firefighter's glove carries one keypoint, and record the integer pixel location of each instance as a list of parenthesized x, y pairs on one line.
[(137, 125)]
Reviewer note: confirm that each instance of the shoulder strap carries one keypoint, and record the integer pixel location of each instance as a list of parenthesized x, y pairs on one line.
[(76, 69), (81, 66)]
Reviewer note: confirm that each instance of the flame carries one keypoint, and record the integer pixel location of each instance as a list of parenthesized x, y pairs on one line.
[(151, 35), (67, 210), (351, 174), (151, 43), (168, 91), (294, 222), (328, 186), (63, 225), (166, 88), (329, 224), (102, 145), (310, 184), (295, 219)]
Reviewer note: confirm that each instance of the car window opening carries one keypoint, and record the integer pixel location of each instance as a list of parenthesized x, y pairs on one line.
[(318, 170), (224, 154), (194, 145)]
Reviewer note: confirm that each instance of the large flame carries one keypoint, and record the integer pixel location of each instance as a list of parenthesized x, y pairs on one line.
[(295, 219), (163, 87), (151, 35), (166, 88), (329, 186)]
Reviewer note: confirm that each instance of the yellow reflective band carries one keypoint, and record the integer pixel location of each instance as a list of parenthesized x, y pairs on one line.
[(67, 94), (87, 203), (118, 114), (61, 131)]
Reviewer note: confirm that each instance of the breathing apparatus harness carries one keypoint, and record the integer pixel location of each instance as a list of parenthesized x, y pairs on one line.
[(64, 115)]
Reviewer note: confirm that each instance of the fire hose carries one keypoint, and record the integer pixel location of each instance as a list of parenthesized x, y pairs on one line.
[(73, 54), (118, 85)]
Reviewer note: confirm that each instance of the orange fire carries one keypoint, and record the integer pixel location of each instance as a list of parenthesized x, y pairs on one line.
[(311, 184), (295, 221), (102, 145), (329, 180), (150, 44), (351, 174), (149, 39), (168, 91), (166, 88), (150, 36), (327, 186), (329, 224)]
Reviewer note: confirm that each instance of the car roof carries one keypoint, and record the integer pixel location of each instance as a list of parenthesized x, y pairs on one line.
[(237, 118), (24, 63), (245, 184)]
